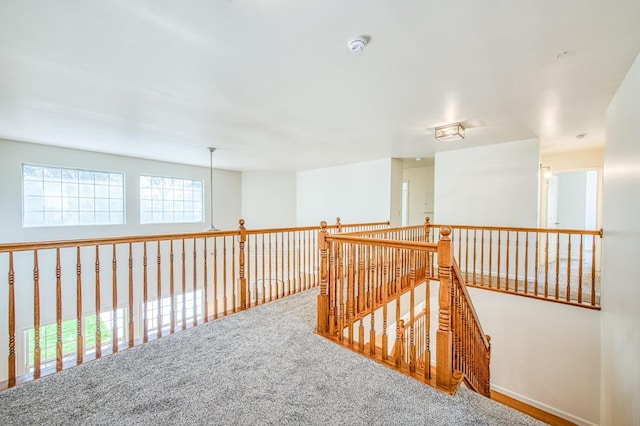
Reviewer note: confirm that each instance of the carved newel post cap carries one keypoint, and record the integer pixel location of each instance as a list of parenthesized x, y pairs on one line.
[(338, 219), (427, 219), (323, 225), (241, 222), (445, 230)]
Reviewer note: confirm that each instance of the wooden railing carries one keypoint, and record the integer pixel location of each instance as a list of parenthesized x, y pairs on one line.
[(561, 265), (369, 280), (67, 302)]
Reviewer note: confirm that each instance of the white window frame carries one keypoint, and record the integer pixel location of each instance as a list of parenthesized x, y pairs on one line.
[(64, 196), (165, 199)]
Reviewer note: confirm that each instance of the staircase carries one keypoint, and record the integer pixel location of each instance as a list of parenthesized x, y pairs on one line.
[(375, 298)]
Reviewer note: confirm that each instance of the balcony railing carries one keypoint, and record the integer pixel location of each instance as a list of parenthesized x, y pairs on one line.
[(67, 302)]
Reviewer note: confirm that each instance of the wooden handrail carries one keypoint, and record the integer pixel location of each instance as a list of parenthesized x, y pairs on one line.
[(357, 265), (595, 232), (558, 265), (115, 292)]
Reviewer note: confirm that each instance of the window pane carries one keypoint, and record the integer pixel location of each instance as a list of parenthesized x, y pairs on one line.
[(49, 191), (170, 200)]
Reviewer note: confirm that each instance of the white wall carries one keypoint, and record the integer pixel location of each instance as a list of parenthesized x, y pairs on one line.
[(488, 185), (544, 354), (14, 154), (395, 207), (621, 249), (268, 199), (358, 192), (420, 193)]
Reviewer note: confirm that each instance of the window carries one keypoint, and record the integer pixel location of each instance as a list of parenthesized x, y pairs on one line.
[(54, 196), (164, 312), (170, 200), (48, 338)]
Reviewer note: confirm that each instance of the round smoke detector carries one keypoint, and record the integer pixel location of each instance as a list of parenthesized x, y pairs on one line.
[(356, 45)]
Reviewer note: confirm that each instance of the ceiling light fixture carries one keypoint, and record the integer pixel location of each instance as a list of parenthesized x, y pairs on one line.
[(356, 45), (450, 132)]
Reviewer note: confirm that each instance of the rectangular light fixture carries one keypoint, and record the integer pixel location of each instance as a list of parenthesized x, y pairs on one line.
[(450, 132)]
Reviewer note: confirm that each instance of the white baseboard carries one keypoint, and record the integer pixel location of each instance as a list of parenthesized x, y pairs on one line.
[(551, 410)]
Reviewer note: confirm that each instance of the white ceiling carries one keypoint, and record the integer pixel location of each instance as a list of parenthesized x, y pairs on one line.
[(272, 85)]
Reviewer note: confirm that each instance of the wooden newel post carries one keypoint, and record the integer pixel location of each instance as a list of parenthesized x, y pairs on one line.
[(241, 261), (323, 297), (427, 229), (338, 224), (444, 335)]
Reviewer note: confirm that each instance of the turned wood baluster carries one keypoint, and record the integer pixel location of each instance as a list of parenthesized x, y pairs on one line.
[(36, 316), (507, 263), (183, 277), (580, 271), (114, 301), (234, 294), (255, 269), (131, 301), (444, 335), (398, 347), (277, 287), (537, 263), (373, 256), (546, 266), (412, 317), (568, 290), (399, 322), (482, 258), (351, 272), (12, 324), (323, 298), (241, 266), (159, 306), (490, 258), (427, 329), (474, 256), (172, 291), (264, 295), (79, 333), (224, 276), (526, 264), (215, 278), (385, 292), (361, 272), (466, 255), (593, 269), (333, 287), (498, 274), (557, 286), (58, 312), (145, 295), (517, 258), (288, 286), (195, 283), (270, 270), (205, 280), (340, 303)]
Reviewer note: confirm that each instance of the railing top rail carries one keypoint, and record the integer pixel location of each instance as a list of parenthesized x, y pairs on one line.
[(313, 228), (40, 245), (414, 245), (595, 232), (43, 245), (386, 230), (463, 289)]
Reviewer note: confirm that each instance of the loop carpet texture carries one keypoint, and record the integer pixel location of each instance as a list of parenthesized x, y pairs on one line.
[(264, 366)]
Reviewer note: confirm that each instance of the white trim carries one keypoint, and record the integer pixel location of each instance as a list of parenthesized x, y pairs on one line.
[(549, 409)]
